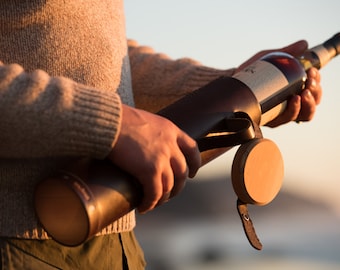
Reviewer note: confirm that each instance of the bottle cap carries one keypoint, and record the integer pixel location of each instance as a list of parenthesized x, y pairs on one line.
[(62, 205), (257, 171)]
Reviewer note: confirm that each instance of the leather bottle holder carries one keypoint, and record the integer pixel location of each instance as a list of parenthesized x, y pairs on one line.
[(78, 202), (73, 206)]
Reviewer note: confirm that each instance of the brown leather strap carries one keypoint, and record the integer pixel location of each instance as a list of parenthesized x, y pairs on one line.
[(232, 131), (248, 227)]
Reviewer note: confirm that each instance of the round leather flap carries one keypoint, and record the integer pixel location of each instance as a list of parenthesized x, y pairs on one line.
[(257, 172)]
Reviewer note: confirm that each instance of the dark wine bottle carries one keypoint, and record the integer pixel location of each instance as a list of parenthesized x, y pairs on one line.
[(277, 76), (78, 202)]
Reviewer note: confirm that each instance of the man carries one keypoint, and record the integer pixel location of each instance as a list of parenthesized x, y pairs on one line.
[(69, 85)]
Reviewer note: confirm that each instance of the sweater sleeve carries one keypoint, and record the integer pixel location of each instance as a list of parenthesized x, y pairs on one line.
[(158, 80), (43, 116)]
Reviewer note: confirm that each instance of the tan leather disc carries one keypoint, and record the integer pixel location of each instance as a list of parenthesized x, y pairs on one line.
[(257, 172)]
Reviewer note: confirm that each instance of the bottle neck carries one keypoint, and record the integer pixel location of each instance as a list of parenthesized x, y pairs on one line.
[(320, 55)]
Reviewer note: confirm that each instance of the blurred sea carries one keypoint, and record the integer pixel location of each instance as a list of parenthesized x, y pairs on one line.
[(200, 229)]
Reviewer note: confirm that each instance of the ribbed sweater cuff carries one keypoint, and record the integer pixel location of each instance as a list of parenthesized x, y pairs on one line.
[(95, 123)]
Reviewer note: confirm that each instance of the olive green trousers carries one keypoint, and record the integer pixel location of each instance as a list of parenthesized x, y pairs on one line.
[(106, 252)]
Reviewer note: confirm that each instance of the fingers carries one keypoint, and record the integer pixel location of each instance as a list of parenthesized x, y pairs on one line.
[(302, 107), (290, 113), (308, 106), (299, 108), (181, 173), (191, 152), (296, 49), (167, 181), (186, 167), (169, 175), (157, 153), (313, 84), (157, 183), (311, 96)]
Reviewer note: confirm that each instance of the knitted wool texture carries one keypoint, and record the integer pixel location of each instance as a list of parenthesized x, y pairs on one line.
[(65, 70)]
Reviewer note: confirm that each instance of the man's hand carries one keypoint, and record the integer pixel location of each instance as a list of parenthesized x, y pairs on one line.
[(300, 107), (157, 153)]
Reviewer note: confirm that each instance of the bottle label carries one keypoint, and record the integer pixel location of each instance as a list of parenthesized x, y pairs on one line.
[(263, 78)]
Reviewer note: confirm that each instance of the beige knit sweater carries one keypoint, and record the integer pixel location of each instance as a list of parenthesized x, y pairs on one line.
[(65, 69)]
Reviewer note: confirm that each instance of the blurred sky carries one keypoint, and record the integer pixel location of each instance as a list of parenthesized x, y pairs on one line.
[(223, 34)]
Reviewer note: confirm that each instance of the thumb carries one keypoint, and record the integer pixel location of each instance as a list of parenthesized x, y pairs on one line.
[(296, 49)]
